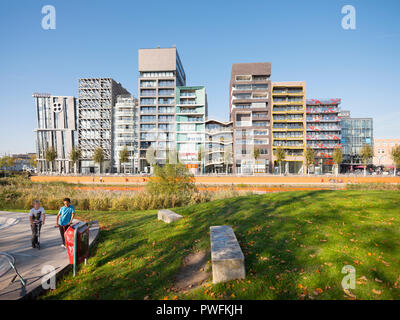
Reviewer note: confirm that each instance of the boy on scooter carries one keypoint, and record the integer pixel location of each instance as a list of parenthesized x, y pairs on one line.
[(37, 218)]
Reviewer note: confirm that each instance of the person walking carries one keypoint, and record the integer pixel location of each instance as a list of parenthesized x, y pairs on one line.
[(64, 218)]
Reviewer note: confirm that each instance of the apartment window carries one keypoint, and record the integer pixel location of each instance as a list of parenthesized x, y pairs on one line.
[(165, 100), (165, 109), (147, 101), (243, 87), (165, 118), (260, 78), (148, 110), (148, 83), (243, 78), (165, 127), (156, 74), (166, 83), (242, 106), (144, 127), (242, 96), (260, 123), (260, 133), (148, 92), (148, 118), (166, 92)]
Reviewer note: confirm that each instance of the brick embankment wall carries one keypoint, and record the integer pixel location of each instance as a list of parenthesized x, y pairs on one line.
[(224, 179)]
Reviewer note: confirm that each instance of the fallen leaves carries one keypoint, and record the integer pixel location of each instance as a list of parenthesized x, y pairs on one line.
[(349, 295), (377, 292)]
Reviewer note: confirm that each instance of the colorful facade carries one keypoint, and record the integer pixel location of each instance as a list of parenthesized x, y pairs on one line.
[(323, 131), (191, 113), (289, 125)]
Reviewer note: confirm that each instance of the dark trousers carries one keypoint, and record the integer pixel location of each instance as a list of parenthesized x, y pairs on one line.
[(62, 231), (35, 233)]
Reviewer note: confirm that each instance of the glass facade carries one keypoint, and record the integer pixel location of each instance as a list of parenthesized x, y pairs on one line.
[(356, 132)]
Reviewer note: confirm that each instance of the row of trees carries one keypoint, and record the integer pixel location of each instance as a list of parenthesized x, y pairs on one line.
[(76, 155), (367, 153)]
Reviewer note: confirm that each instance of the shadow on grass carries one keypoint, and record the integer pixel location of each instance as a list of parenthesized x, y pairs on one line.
[(295, 245)]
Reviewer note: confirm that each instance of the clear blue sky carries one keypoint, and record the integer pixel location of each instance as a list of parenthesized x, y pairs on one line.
[(303, 40)]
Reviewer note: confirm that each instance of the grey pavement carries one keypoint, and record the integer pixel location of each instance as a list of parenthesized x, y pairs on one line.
[(15, 240)]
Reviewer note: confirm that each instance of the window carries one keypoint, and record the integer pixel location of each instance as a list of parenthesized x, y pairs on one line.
[(243, 78)]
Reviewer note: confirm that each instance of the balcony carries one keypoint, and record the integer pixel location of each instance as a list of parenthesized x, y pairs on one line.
[(243, 123)]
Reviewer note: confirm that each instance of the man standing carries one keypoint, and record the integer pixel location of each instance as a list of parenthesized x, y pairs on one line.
[(64, 218)]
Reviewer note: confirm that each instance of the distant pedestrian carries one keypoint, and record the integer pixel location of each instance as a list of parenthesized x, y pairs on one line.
[(64, 218)]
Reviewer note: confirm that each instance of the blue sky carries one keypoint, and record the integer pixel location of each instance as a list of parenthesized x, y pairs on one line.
[(303, 40)]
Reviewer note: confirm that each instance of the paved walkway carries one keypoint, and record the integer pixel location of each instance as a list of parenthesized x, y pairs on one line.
[(15, 239)]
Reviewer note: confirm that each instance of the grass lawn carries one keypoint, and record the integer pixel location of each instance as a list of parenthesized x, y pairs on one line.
[(295, 246)]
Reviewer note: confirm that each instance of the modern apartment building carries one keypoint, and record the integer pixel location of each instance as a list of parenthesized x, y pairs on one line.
[(250, 113), (56, 128), (323, 131), (356, 132), (382, 152), (191, 113), (289, 124), (97, 97), (218, 156), (125, 133), (160, 72)]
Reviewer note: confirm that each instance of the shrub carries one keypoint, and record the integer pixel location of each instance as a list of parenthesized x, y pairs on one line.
[(171, 179)]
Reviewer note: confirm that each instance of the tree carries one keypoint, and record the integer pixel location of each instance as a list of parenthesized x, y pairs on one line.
[(6, 162), (200, 158), (228, 157), (256, 155), (171, 179), (150, 157), (395, 153), (280, 155), (367, 154), (50, 155), (337, 158), (124, 157), (75, 156), (310, 158), (33, 161), (98, 157)]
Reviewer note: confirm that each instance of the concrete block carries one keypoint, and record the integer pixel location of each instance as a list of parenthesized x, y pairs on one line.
[(168, 216), (227, 258)]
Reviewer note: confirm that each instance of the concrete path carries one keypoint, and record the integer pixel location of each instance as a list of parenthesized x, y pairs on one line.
[(15, 239)]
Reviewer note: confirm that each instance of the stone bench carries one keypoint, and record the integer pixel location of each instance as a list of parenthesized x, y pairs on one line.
[(227, 258), (168, 216)]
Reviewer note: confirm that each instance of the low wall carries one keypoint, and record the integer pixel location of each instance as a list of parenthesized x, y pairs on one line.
[(225, 179)]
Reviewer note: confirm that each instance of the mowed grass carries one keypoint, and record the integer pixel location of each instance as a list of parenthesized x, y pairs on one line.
[(295, 246)]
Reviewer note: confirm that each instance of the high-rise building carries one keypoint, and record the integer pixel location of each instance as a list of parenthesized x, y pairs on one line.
[(218, 156), (125, 133), (289, 124), (97, 97), (323, 131), (249, 111), (160, 72), (191, 113), (356, 132), (382, 152), (56, 128)]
